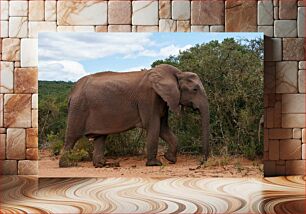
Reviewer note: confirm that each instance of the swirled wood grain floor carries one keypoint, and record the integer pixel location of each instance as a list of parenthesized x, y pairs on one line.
[(139, 195)]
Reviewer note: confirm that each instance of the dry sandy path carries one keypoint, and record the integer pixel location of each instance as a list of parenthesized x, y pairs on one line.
[(186, 166)]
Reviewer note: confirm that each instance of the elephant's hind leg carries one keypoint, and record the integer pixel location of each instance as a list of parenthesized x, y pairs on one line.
[(98, 153)]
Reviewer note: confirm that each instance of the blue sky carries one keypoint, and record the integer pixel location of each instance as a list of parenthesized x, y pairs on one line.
[(69, 56)]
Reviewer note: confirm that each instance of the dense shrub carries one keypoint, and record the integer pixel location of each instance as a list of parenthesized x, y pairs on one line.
[(232, 74)]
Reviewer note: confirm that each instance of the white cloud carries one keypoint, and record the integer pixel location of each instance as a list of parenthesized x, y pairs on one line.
[(61, 70), (85, 46), (61, 54), (137, 68), (165, 51)]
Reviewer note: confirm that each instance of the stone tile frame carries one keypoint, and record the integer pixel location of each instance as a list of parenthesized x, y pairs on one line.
[(282, 22)]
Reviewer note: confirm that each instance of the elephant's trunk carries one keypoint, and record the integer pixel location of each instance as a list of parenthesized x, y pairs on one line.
[(204, 111)]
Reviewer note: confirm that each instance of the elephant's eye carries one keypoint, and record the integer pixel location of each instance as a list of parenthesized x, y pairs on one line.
[(195, 89)]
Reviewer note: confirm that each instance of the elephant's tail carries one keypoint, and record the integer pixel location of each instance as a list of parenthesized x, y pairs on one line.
[(69, 100)]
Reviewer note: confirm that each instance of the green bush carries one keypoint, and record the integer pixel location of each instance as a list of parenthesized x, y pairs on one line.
[(71, 158), (128, 143), (55, 143), (82, 150), (85, 146)]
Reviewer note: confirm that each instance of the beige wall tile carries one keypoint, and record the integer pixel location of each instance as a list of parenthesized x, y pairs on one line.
[(293, 121), (183, 26), (8, 167), (199, 28), (91, 12), (265, 12), (274, 150), (36, 27), (119, 12), (240, 15), (280, 133), (293, 103), (17, 110), (4, 6), (180, 10), (2, 146), (15, 144), (145, 13), (36, 10), (293, 49), (18, 27), (1, 110), (32, 154), (29, 52), (50, 10), (285, 28), (301, 22), (26, 80), (4, 29), (76, 28), (7, 77), (207, 12), (34, 118), (287, 9), (119, 28), (165, 9), (269, 168), (216, 28), (286, 77), (301, 83), (27, 167), (18, 8), (290, 149), (297, 133), (35, 101), (295, 167), (101, 28), (146, 28), (167, 25), (11, 49), (32, 138)]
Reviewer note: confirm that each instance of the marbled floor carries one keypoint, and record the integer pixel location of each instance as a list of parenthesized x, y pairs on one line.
[(139, 195)]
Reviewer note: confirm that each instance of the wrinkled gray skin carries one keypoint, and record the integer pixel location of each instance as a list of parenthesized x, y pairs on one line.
[(106, 103)]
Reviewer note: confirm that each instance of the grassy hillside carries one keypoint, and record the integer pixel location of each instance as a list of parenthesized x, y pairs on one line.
[(52, 108)]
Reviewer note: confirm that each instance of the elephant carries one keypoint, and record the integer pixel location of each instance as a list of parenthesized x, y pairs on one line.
[(106, 103)]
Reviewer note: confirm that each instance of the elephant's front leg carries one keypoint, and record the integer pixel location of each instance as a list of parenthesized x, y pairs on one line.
[(98, 153), (152, 143), (167, 135)]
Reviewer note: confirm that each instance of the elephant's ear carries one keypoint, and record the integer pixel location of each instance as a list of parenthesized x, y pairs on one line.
[(165, 84)]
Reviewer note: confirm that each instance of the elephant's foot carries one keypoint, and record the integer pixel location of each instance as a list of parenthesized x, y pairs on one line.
[(99, 163), (203, 160), (170, 157), (153, 162)]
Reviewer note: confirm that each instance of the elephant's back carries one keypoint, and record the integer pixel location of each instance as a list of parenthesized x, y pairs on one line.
[(113, 83), (109, 76)]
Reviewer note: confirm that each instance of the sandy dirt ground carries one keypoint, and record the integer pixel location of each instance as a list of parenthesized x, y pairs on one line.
[(186, 166)]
